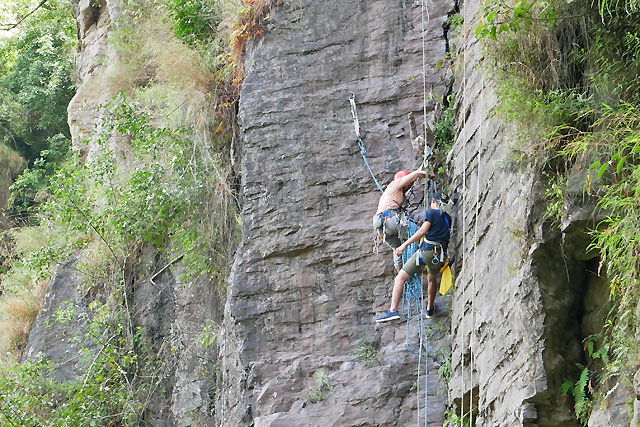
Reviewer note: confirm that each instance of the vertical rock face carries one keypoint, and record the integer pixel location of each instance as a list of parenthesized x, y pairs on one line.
[(299, 343), (94, 20), (57, 340), (305, 288), (523, 286)]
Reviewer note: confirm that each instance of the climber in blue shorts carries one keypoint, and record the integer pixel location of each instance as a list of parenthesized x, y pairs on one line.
[(436, 231)]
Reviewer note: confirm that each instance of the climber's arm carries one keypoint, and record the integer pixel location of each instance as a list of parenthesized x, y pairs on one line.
[(414, 238), (406, 181)]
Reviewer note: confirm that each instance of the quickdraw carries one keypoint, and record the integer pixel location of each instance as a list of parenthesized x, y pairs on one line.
[(377, 239), (356, 125)]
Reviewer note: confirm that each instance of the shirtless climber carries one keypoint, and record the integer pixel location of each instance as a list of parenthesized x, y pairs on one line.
[(431, 254), (389, 220)]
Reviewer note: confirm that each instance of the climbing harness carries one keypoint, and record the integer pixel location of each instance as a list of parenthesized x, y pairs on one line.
[(380, 225), (356, 125)]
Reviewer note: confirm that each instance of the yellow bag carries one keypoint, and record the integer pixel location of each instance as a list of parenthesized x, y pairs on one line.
[(447, 278)]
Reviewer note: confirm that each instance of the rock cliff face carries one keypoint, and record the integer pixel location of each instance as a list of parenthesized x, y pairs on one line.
[(93, 67), (305, 287)]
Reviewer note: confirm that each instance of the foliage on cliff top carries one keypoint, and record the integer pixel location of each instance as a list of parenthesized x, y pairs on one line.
[(247, 25)]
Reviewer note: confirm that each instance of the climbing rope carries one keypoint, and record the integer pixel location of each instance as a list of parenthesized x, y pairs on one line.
[(356, 125), (472, 359), (464, 186), (425, 163), (412, 292)]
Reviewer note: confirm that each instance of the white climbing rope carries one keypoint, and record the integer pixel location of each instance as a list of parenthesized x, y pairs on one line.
[(356, 125), (475, 249), (423, 9), (464, 186)]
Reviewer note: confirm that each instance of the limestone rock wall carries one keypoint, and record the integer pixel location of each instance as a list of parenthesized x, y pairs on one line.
[(60, 341), (305, 288), (95, 20)]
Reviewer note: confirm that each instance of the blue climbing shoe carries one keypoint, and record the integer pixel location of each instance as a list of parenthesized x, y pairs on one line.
[(428, 314), (389, 315)]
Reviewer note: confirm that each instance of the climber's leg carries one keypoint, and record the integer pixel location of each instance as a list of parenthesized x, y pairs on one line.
[(398, 286)]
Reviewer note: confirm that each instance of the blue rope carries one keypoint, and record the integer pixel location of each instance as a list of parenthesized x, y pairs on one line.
[(432, 188), (412, 292), (366, 162), (426, 382)]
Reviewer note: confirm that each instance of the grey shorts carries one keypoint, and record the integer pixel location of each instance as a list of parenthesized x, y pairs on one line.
[(413, 266), (395, 232)]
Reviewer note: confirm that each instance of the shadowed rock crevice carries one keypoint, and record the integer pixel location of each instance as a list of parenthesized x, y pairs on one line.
[(562, 289), (575, 297)]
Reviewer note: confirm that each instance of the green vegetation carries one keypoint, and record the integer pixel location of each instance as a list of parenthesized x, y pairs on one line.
[(116, 385), (451, 419), (208, 336), (36, 64), (568, 76), (583, 403), (366, 353), (322, 384), (157, 178), (30, 186), (444, 131), (444, 371), (195, 21)]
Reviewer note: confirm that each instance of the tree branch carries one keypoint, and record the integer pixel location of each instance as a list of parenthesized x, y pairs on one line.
[(12, 26)]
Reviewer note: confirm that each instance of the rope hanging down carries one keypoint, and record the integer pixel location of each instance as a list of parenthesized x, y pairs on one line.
[(412, 292), (356, 124), (427, 154)]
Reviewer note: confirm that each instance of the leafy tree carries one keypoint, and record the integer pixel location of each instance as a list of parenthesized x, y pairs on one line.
[(195, 20), (36, 64), (25, 191)]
